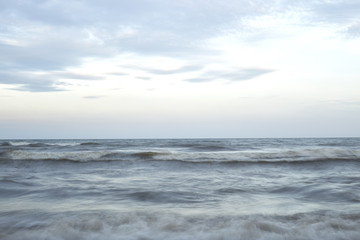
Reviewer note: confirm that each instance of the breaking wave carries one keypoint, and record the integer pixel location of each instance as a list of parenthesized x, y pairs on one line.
[(180, 189), (160, 225), (47, 143), (294, 156)]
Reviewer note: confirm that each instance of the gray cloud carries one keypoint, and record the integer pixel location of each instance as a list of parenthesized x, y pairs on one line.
[(30, 82), (201, 79), (336, 11), (47, 53), (239, 75), (183, 69), (158, 27), (60, 13), (75, 76), (44, 35), (234, 75), (163, 26), (37, 87), (354, 30)]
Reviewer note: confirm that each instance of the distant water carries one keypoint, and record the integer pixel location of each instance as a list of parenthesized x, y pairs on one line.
[(180, 189)]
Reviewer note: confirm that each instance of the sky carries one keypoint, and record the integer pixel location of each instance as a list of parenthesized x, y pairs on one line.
[(179, 69)]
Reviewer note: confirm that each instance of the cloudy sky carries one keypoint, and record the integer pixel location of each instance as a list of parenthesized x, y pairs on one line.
[(184, 68)]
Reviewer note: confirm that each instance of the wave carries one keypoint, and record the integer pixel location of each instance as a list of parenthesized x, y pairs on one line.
[(204, 147), (165, 197), (79, 156), (5, 144), (164, 225), (23, 155), (37, 144), (222, 158), (263, 162), (89, 144), (25, 144), (147, 155), (14, 143), (82, 153)]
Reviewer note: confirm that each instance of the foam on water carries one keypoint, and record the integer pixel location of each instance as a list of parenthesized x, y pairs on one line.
[(205, 189), (74, 156), (261, 156), (33, 143), (155, 225)]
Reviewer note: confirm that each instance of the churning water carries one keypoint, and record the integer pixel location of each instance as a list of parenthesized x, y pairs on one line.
[(180, 189)]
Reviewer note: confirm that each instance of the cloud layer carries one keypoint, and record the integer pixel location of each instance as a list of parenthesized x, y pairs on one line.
[(53, 36), (233, 75)]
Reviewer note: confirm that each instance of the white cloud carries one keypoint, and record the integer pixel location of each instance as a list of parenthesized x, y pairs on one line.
[(232, 75)]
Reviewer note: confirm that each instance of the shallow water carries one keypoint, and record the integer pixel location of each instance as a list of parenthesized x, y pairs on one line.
[(180, 189)]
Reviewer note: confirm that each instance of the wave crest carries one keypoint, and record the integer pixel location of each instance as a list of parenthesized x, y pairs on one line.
[(270, 156), (160, 225)]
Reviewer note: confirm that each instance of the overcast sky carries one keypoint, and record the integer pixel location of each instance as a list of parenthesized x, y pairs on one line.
[(184, 68)]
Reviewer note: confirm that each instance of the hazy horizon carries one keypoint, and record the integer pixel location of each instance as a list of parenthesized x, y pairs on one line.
[(169, 138)]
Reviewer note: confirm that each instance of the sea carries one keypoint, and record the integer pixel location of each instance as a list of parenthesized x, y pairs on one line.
[(180, 189)]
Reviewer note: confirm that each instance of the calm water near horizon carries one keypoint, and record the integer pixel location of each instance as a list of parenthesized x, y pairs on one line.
[(301, 188)]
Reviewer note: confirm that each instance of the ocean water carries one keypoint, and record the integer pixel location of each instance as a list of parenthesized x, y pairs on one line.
[(180, 189)]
